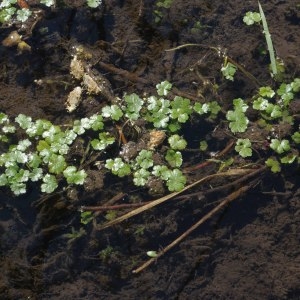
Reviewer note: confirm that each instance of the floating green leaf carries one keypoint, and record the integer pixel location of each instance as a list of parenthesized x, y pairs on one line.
[(295, 84), (118, 167), (260, 103), (34, 160), (239, 104), (163, 88), (94, 3), (23, 145), (47, 2), (238, 122), (144, 159), (176, 142), (3, 180), (96, 122), (176, 181), (243, 147), (251, 17), (266, 91), (161, 171), (288, 159), (273, 164), (56, 164), (24, 121), (74, 176), (3, 118), (228, 70), (280, 146), (114, 112), (203, 145), (133, 106), (49, 184), (105, 139), (36, 174), (8, 129), (180, 109), (201, 108), (296, 137), (214, 107), (174, 158), (23, 14), (140, 177), (18, 188)]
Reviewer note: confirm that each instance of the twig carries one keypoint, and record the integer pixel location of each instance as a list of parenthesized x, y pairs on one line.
[(217, 49), (154, 203), (222, 53), (227, 186), (112, 207), (208, 162), (130, 76), (226, 201)]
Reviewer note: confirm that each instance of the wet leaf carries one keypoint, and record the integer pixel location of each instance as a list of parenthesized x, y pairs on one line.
[(49, 184), (112, 111), (163, 88), (174, 158), (74, 176), (273, 164), (144, 159), (57, 164), (140, 177), (280, 146), (176, 142), (176, 181), (243, 147)]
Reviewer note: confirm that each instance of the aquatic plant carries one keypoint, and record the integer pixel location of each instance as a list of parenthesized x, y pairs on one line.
[(160, 7), (228, 70), (238, 122), (254, 17), (42, 155), (243, 147), (13, 11)]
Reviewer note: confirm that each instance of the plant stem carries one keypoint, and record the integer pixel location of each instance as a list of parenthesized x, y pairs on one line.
[(268, 40)]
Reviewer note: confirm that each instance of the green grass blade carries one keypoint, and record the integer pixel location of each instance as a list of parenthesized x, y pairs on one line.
[(268, 40)]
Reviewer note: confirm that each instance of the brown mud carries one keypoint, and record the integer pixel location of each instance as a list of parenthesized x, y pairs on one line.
[(251, 250)]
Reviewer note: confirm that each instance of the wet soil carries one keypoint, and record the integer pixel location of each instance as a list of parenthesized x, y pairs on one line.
[(250, 250)]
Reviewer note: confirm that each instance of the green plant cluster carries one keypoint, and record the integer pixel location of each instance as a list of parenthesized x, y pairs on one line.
[(164, 114), (144, 169), (273, 108), (160, 8), (254, 17), (41, 155), (11, 12)]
